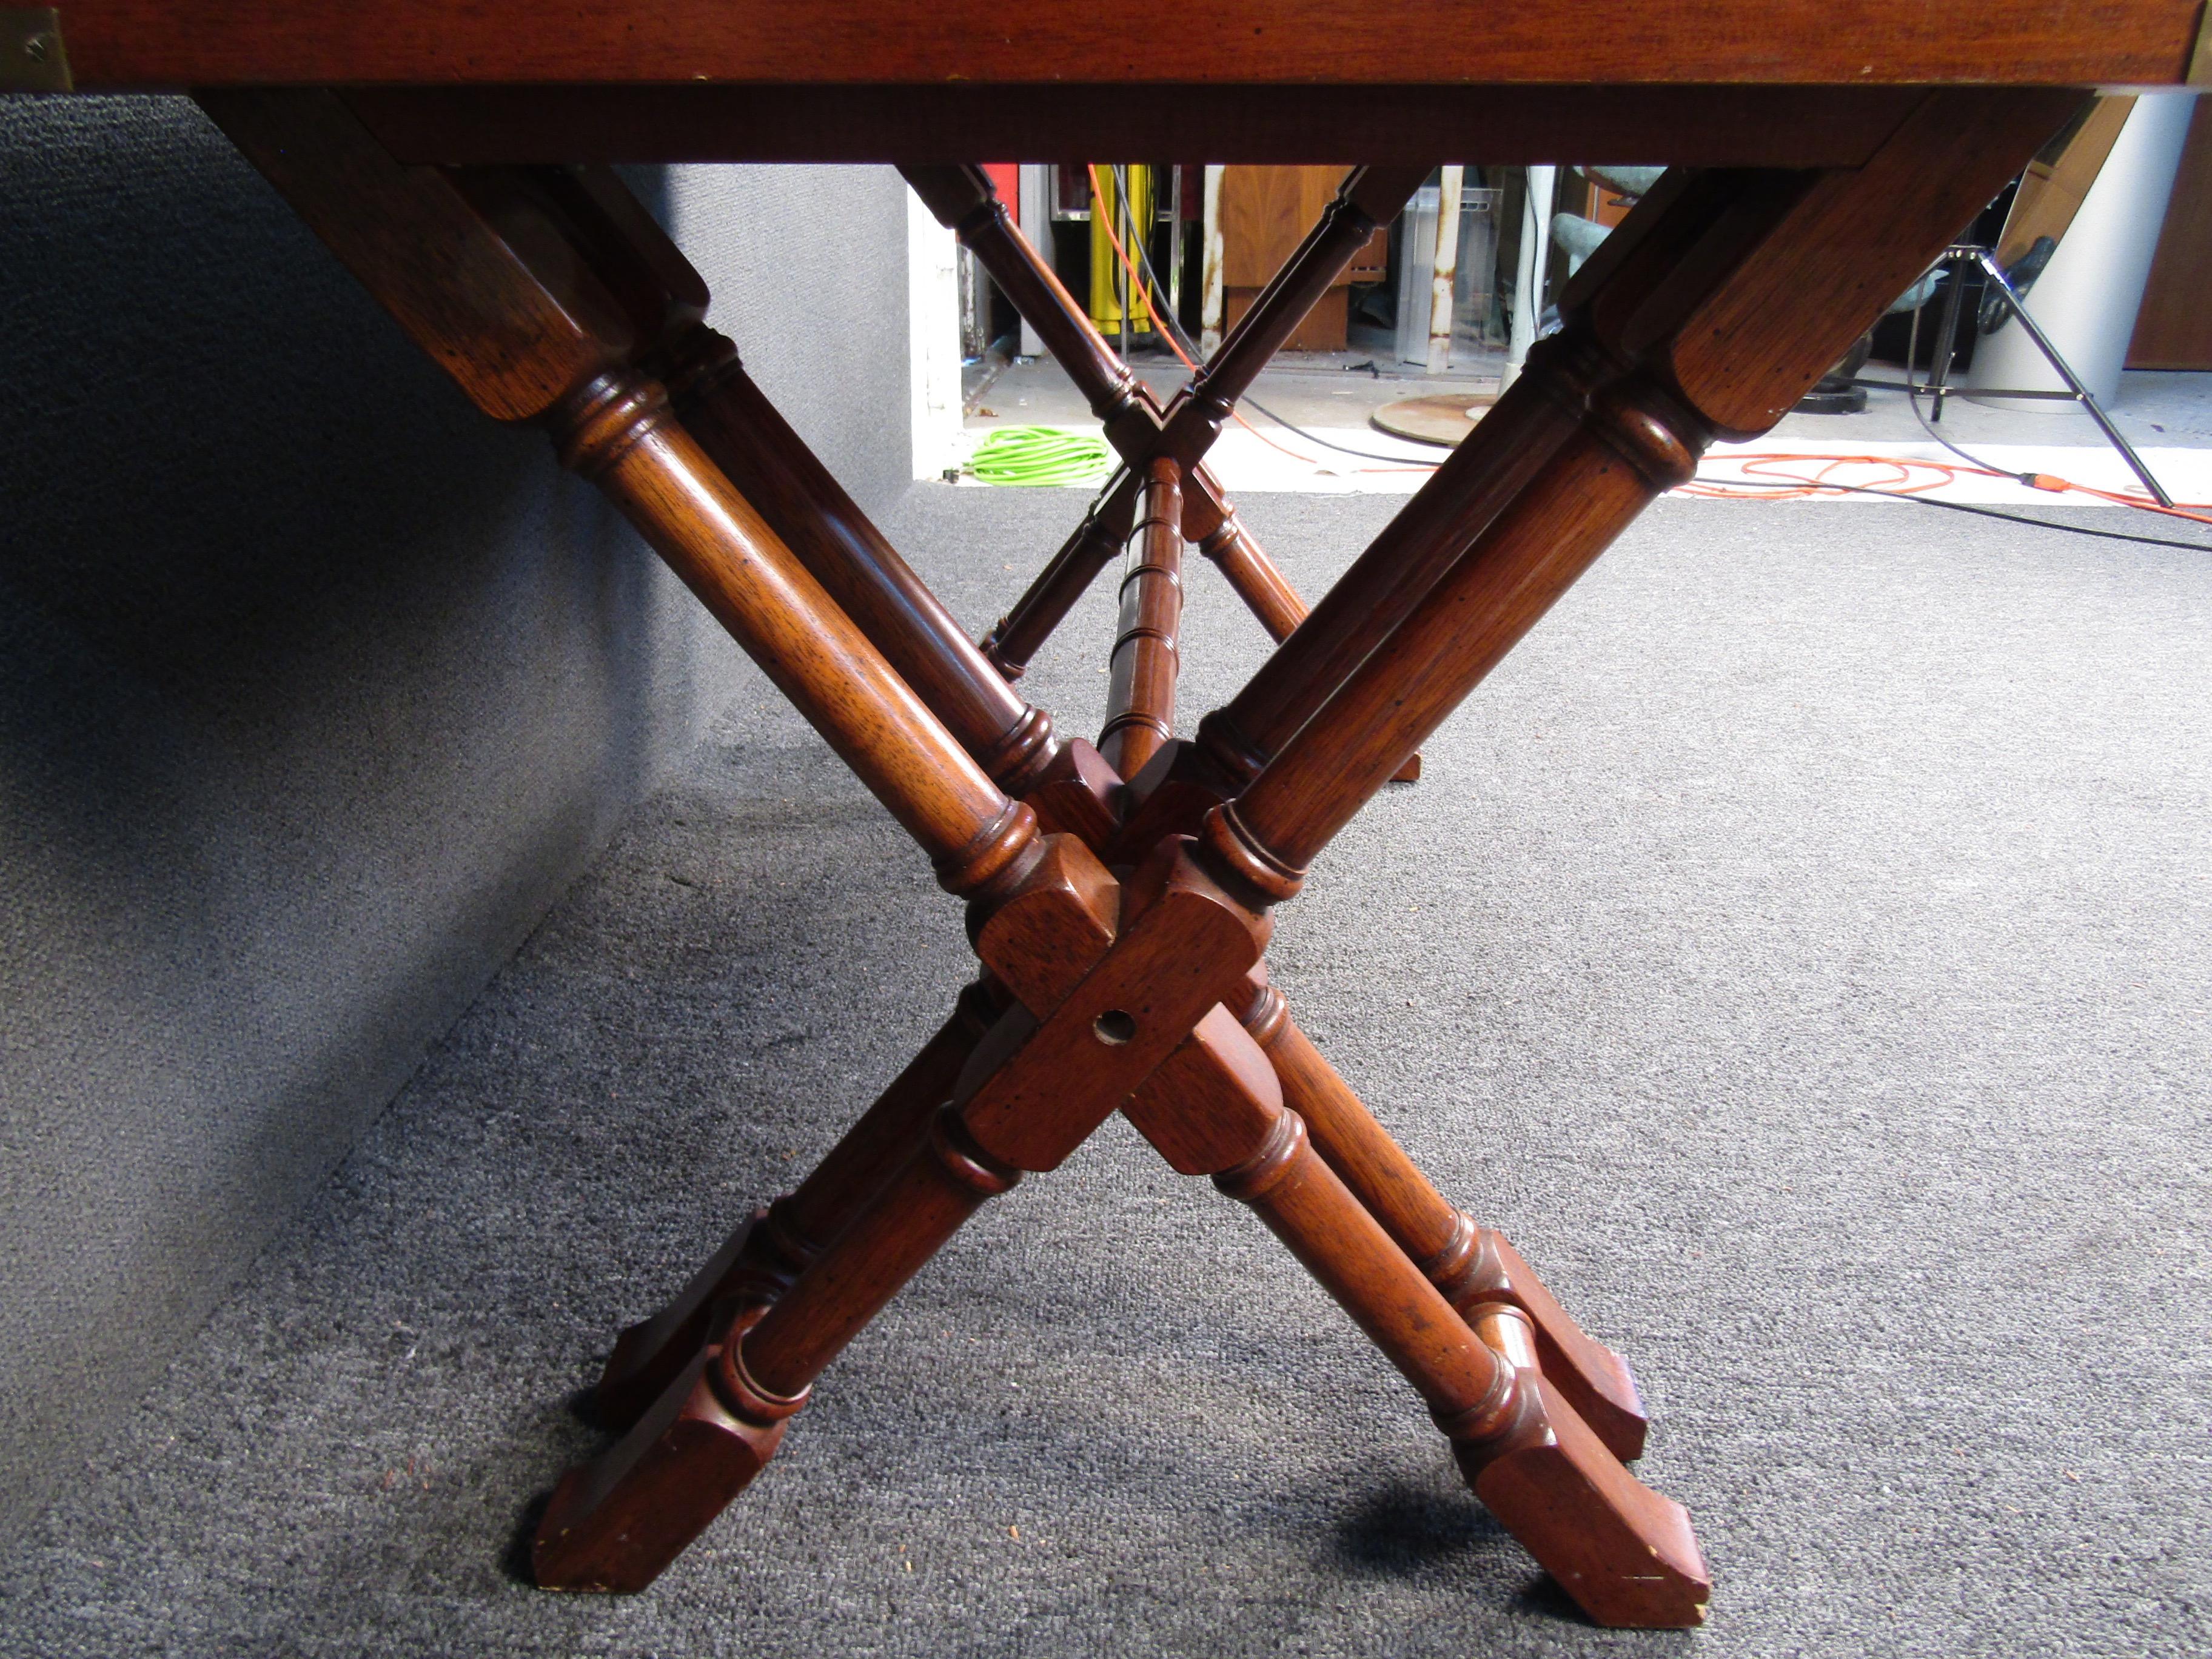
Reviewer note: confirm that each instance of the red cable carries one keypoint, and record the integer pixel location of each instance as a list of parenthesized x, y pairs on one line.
[(1098, 197), (1949, 471)]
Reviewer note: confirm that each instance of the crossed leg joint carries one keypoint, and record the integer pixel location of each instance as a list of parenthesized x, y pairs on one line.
[(1505, 1372)]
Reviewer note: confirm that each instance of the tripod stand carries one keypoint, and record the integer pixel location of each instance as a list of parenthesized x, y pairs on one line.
[(1960, 258)]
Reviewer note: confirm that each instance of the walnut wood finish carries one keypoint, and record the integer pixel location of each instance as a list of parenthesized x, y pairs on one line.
[(772, 467), (1640, 435), (1258, 583), (1507, 448), (1267, 594), (1106, 998), (1294, 44), (1140, 696), (1145, 993), (1023, 630), (621, 436), (1033, 1091), (1471, 1266), (759, 1261), (1313, 124), (427, 249)]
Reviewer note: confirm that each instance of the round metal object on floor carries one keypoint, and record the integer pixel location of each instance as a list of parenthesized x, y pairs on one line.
[(1437, 419)]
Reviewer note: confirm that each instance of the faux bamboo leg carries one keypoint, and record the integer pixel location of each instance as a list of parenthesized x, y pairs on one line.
[(1780, 283), (770, 1249), (1140, 697), (1020, 633), (964, 200), (1120, 1003), (1266, 593), (1472, 1265), (489, 286), (1625, 1553)]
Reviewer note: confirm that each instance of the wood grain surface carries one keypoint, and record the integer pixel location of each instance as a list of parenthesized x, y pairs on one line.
[(170, 43), (951, 124)]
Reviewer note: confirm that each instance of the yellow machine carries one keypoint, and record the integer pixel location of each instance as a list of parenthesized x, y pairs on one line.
[(1109, 282)]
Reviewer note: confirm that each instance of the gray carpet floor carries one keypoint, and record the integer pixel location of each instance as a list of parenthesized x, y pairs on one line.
[(1801, 947)]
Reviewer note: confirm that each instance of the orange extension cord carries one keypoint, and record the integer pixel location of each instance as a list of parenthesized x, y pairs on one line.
[(1902, 482), (1153, 300)]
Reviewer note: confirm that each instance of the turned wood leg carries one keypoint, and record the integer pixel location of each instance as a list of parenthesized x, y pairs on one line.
[(1794, 270), (770, 1247), (1266, 593), (1625, 1553), (1140, 696), (482, 275), (1046, 601), (1120, 1000), (744, 435), (1472, 1265), (615, 1523)]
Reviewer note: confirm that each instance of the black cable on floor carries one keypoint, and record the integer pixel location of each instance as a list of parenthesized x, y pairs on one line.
[(1954, 507), (1173, 326), (1912, 396), (1364, 455)]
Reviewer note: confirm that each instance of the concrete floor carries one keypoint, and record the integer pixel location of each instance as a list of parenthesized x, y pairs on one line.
[(1333, 397), (1338, 390)]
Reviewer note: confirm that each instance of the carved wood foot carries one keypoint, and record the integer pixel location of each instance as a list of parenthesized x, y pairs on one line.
[(1624, 1553), (1470, 1265), (614, 1524), (770, 1249)]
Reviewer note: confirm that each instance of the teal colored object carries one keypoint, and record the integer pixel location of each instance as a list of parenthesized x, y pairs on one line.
[(1033, 455)]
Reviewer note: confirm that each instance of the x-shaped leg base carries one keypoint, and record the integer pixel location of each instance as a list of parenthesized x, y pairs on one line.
[(1121, 911)]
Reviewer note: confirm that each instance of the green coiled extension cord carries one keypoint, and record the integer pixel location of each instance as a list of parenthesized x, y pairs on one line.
[(1034, 455)]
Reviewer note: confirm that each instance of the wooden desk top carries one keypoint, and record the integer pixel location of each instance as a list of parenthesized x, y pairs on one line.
[(140, 44), (1702, 82)]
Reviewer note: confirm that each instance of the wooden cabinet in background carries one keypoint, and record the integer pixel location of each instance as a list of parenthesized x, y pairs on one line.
[(1266, 212), (2173, 329)]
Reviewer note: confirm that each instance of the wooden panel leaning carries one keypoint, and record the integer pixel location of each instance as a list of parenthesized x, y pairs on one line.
[(487, 285)]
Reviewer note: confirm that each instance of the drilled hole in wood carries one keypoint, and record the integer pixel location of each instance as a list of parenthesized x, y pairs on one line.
[(1113, 1028)]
